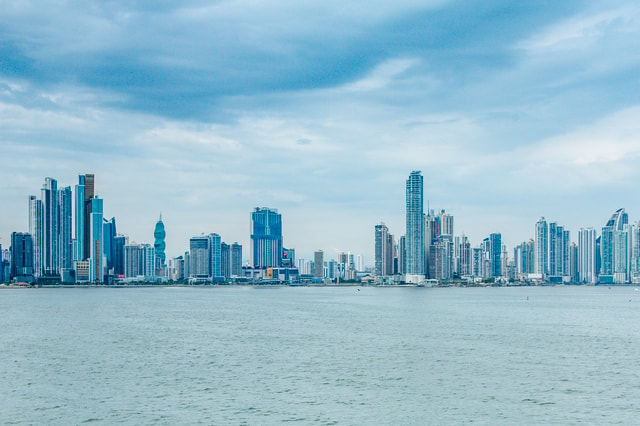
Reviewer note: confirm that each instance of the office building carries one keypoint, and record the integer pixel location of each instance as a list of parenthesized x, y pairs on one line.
[(266, 238), (21, 257), (495, 248), (51, 228), (159, 244), (96, 242)]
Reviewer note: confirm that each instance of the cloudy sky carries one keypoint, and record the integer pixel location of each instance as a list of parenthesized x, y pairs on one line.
[(203, 110)]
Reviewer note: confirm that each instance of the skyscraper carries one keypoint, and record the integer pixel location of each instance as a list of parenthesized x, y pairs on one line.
[(266, 238), (587, 256), (96, 241), (80, 222), (200, 257), (236, 259), (51, 210), (414, 236), (109, 233), (225, 260), (36, 229), (495, 241), (66, 233), (215, 260), (381, 250), (88, 181), (615, 249), (318, 264), (21, 257), (159, 244), (542, 244)]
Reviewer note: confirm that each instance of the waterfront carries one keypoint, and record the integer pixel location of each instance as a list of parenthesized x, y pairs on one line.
[(320, 355)]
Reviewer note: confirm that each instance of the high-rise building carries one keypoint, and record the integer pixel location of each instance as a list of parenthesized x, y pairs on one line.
[(318, 264), (21, 257), (118, 260), (446, 223), (80, 222), (36, 229), (159, 245), (402, 255), (149, 262), (266, 238), (524, 258), (495, 241), (225, 260), (133, 261), (542, 246), (96, 241), (382, 262), (635, 254), (66, 233), (236, 259), (414, 236), (615, 249), (51, 210), (109, 234), (89, 187), (216, 261), (587, 256), (200, 257)]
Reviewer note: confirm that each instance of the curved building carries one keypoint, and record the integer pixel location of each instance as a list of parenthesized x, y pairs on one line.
[(159, 244)]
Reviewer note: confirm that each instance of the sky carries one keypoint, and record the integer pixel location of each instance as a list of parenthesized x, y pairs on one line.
[(204, 110)]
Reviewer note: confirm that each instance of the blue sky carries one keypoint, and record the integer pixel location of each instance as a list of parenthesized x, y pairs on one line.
[(205, 110)]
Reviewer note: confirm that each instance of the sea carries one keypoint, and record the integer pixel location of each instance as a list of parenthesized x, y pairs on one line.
[(320, 355)]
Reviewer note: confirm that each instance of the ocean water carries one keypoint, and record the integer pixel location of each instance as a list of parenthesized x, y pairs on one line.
[(313, 355)]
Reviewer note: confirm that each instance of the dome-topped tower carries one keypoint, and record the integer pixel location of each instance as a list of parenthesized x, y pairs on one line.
[(159, 234)]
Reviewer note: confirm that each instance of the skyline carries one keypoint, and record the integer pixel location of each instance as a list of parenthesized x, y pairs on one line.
[(206, 112)]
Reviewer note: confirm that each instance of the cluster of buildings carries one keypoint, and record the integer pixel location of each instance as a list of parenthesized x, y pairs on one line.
[(430, 251), (70, 241)]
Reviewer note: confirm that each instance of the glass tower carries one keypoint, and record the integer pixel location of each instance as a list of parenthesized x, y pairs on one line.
[(414, 237), (266, 238)]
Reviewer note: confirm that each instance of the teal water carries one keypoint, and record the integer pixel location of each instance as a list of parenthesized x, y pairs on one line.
[(241, 355)]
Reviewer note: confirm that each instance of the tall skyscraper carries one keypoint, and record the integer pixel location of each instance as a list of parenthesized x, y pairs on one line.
[(266, 238), (225, 260), (382, 251), (402, 256), (414, 236), (133, 261), (21, 257), (51, 210), (66, 233), (36, 229), (88, 181), (159, 244), (96, 242), (215, 260), (587, 256), (109, 234), (542, 245), (80, 222), (200, 257), (495, 241), (119, 243), (615, 249), (318, 264), (236, 259)]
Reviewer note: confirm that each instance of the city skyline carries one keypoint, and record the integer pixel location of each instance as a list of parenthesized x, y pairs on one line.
[(511, 111)]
